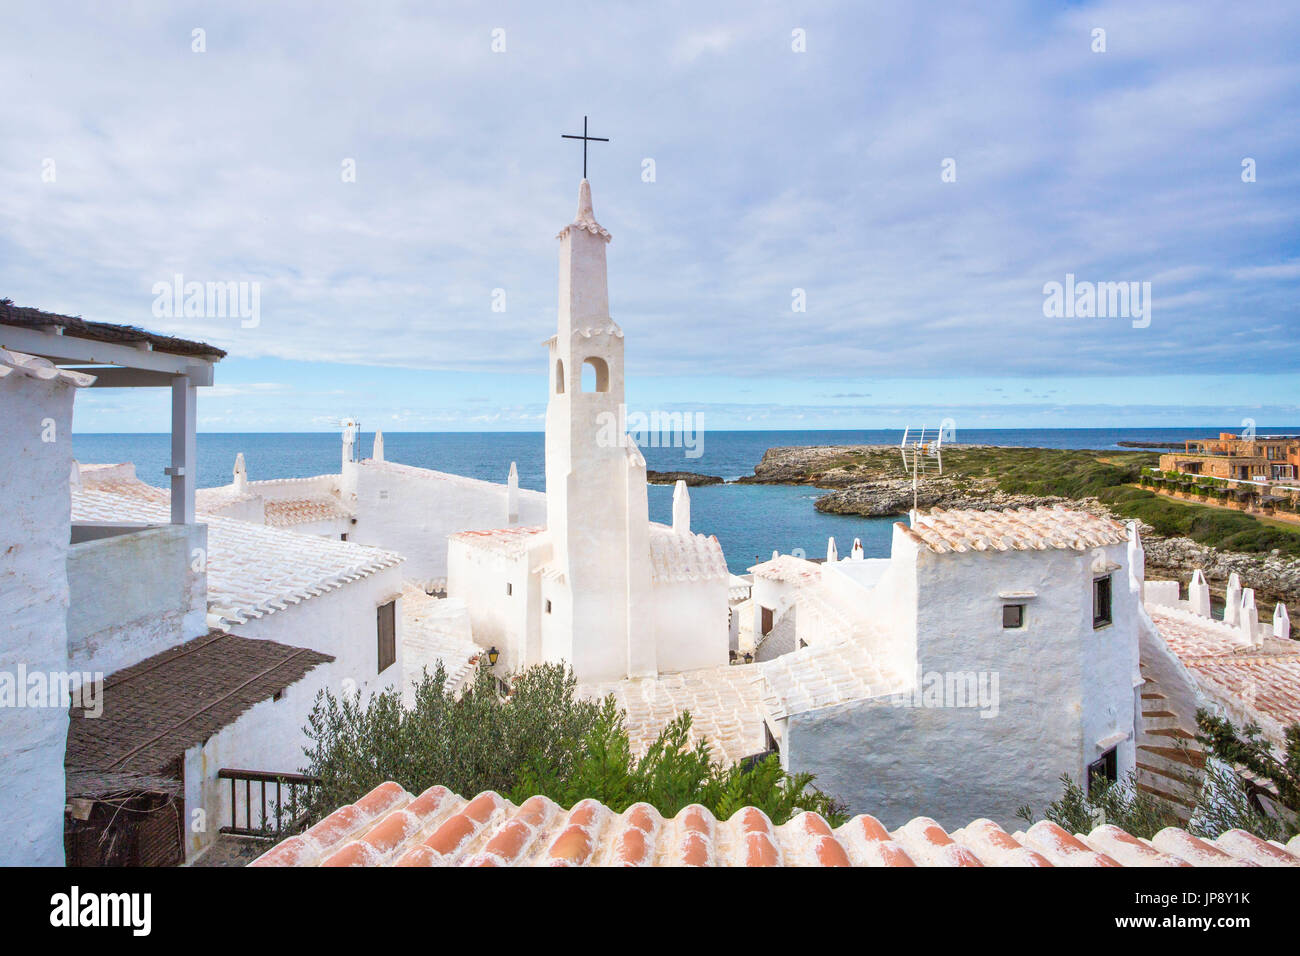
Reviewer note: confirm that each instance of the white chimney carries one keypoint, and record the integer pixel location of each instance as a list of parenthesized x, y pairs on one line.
[(1232, 605), (512, 496), (681, 508), (1198, 594), (1281, 623)]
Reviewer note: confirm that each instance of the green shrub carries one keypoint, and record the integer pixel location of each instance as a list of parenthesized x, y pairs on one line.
[(541, 739)]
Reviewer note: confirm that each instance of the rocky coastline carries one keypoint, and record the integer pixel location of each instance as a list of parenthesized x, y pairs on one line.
[(858, 482), (672, 477)]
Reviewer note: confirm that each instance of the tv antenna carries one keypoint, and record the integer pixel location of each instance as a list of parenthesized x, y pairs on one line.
[(922, 452)]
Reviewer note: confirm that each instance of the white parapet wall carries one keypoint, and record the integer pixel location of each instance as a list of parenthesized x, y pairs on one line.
[(134, 592)]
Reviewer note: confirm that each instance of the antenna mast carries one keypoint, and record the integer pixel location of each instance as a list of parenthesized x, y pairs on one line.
[(922, 452)]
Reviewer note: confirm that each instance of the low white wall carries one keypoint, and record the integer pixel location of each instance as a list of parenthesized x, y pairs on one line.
[(134, 595), (413, 514), (35, 514)]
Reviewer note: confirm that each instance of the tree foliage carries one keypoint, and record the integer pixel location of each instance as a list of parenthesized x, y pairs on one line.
[(540, 739)]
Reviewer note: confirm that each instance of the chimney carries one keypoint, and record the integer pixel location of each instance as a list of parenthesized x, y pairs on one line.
[(240, 474), (512, 496), (681, 508), (1198, 594)]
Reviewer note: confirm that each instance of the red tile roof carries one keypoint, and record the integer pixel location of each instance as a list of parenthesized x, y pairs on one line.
[(390, 827)]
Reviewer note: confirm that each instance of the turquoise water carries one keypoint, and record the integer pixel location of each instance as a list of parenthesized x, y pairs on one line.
[(750, 520)]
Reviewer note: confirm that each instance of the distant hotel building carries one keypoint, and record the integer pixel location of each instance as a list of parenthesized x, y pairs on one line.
[(1265, 458)]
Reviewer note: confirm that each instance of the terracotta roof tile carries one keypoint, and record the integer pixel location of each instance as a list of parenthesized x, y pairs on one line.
[(508, 541), (388, 828), (1023, 529)]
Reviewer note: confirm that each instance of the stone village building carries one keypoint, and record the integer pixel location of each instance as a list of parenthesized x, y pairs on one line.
[(987, 655)]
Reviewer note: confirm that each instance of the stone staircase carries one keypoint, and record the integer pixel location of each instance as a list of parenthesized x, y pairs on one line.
[(1169, 759)]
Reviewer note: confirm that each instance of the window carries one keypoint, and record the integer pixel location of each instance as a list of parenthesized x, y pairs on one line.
[(595, 375), (278, 695), (1013, 615), (548, 605), (1101, 602), (766, 626), (559, 376), (1104, 768), (510, 589), (387, 615)]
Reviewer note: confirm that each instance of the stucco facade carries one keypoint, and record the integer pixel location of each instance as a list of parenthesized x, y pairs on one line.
[(34, 541)]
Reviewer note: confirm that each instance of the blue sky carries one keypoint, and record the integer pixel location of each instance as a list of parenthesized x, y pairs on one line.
[(775, 170)]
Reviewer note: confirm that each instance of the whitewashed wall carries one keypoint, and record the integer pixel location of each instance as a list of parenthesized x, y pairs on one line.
[(269, 737), (414, 515), (690, 624), (134, 595), (1062, 687), (478, 577), (341, 623), (34, 534)]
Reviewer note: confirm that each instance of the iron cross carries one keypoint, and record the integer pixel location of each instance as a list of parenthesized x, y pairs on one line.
[(585, 140)]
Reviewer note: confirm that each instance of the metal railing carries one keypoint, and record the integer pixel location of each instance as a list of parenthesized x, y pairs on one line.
[(261, 804)]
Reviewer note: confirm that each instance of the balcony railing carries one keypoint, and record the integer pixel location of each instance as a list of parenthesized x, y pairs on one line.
[(260, 804)]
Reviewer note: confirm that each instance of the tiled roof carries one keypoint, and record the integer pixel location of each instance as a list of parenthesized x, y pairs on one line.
[(723, 702), (825, 675), (77, 327), (786, 568), (433, 630), (253, 570), (289, 512), (32, 366), (157, 709), (508, 541), (1023, 529), (390, 827), (1266, 687), (685, 557), (1262, 681), (836, 669)]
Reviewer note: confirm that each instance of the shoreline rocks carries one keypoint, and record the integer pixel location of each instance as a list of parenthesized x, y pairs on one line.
[(672, 477)]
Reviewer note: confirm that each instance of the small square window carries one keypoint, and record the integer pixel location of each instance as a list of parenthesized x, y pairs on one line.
[(1101, 609), (1013, 615)]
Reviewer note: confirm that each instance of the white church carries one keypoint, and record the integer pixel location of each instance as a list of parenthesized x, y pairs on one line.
[(599, 586)]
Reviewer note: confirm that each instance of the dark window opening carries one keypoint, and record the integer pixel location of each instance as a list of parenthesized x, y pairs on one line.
[(510, 589), (766, 626), (548, 605), (1103, 770), (278, 695), (1013, 615), (387, 617), (1101, 611)]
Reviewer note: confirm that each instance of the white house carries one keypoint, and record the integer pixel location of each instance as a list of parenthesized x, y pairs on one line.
[(992, 652), (60, 581), (599, 585)]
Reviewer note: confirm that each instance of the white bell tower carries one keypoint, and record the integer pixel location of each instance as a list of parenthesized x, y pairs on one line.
[(596, 508)]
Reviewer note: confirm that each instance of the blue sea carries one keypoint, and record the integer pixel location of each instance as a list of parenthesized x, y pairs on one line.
[(751, 521)]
